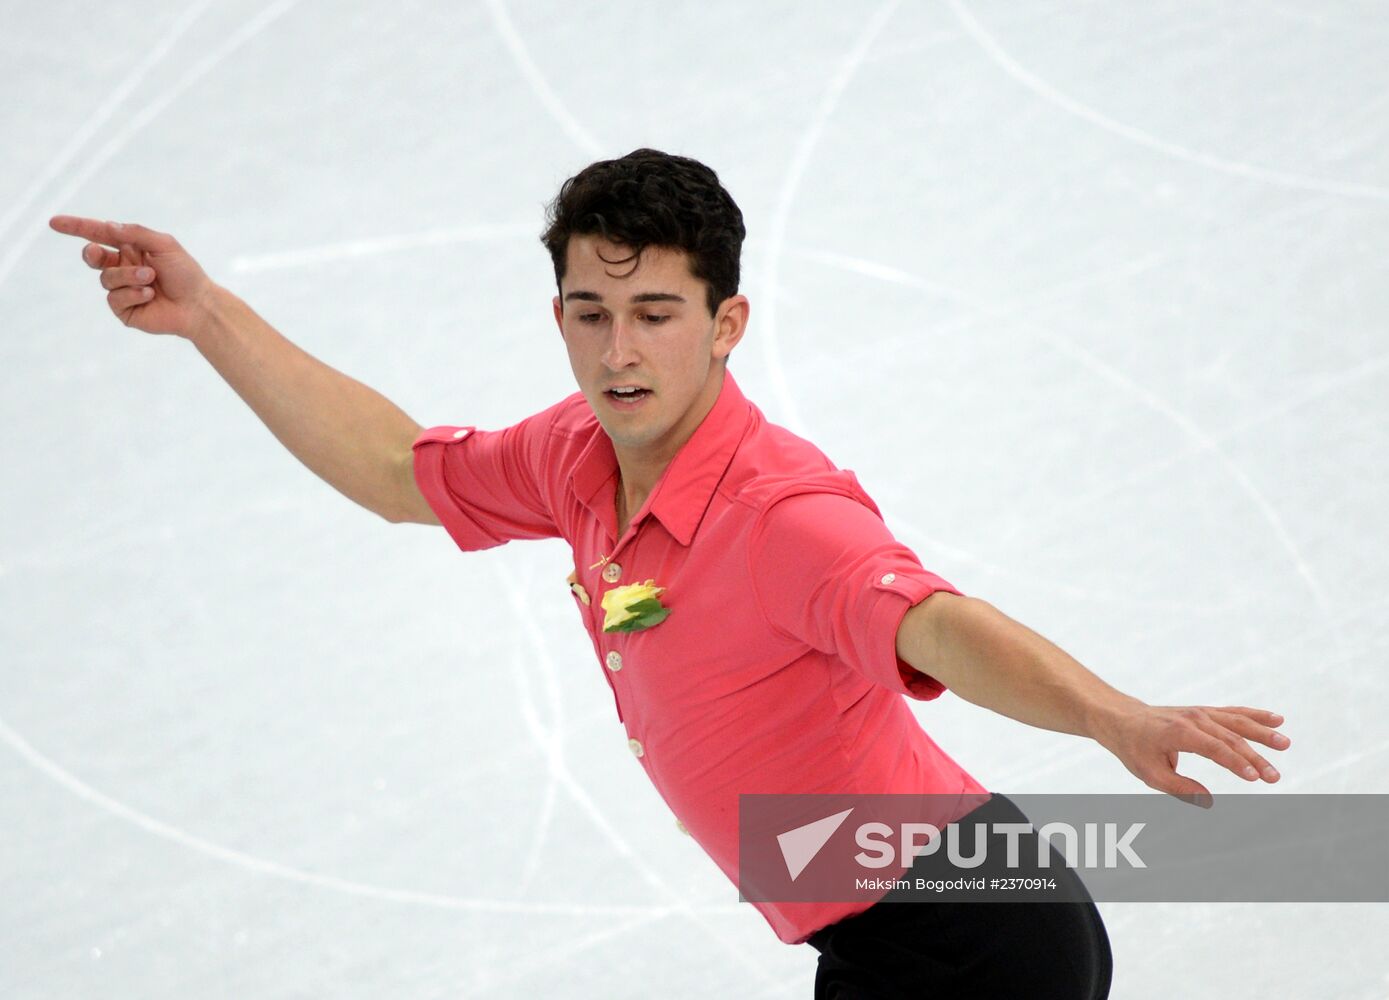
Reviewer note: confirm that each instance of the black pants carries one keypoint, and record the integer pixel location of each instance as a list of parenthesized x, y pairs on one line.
[(941, 949)]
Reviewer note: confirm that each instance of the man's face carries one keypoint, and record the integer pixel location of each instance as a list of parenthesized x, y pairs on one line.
[(647, 327)]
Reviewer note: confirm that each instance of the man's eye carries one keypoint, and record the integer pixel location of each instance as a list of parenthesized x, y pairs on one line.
[(657, 319), (588, 317)]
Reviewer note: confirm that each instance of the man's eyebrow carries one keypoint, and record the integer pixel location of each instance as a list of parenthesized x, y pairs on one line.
[(643, 297)]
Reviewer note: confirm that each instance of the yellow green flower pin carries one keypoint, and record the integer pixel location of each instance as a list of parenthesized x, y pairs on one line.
[(633, 607)]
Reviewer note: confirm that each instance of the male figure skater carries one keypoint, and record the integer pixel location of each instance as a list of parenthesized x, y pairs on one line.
[(754, 618)]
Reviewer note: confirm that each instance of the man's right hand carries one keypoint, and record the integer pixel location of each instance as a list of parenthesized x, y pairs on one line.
[(347, 433), (152, 283)]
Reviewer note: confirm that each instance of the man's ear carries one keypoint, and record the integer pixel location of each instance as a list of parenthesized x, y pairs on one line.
[(730, 323), (559, 316)]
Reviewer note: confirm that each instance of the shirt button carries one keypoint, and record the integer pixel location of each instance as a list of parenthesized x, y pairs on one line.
[(635, 747), (889, 577), (614, 660), (461, 432), (681, 826), (612, 572)]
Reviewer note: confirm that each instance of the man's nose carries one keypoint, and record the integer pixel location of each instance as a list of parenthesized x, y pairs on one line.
[(621, 350)]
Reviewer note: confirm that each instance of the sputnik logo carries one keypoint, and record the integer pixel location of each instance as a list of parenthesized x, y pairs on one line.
[(799, 846)]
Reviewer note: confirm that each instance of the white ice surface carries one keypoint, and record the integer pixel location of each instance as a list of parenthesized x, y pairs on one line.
[(1094, 298)]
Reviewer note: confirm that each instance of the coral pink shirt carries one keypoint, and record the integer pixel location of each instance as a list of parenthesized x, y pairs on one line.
[(776, 670)]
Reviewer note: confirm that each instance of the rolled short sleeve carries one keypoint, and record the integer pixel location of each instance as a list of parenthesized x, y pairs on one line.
[(487, 487), (828, 572)]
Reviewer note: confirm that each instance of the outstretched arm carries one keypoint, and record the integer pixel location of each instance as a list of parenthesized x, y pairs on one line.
[(989, 659), (351, 436)]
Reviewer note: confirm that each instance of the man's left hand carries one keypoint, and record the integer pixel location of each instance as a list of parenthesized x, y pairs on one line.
[(1148, 738)]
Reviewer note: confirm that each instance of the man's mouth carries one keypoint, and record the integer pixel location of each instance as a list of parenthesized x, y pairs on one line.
[(629, 395)]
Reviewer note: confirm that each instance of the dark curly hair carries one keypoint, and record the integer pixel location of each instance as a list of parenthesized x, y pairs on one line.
[(650, 198)]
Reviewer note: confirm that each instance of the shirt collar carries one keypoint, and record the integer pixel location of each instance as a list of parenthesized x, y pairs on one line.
[(683, 492)]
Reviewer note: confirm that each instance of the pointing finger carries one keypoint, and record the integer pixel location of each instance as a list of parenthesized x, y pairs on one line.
[(112, 234), (90, 229)]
